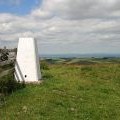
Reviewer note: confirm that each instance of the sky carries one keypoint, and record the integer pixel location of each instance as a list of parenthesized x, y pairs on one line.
[(62, 26)]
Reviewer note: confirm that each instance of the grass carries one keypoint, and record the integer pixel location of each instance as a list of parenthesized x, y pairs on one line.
[(69, 92), (5, 67)]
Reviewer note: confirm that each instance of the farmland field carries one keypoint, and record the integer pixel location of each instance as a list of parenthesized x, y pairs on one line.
[(72, 89)]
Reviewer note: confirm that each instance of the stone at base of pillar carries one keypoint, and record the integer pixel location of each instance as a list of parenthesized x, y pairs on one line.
[(35, 82)]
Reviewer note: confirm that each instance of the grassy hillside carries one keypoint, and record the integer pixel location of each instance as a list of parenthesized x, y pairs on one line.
[(70, 91)]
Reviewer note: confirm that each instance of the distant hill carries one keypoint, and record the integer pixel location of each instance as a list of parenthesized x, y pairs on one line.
[(79, 55)]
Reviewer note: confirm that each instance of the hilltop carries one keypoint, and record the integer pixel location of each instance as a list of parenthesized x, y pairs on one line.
[(72, 89)]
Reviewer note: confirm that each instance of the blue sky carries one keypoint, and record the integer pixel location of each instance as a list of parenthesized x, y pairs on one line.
[(18, 7), (62, 26)]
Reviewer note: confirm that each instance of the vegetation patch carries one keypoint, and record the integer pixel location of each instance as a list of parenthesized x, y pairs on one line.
[(69, 92), (8, 84), (7, 66), (44, 65)]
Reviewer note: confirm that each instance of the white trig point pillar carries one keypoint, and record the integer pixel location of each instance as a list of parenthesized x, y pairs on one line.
[(27, 67)]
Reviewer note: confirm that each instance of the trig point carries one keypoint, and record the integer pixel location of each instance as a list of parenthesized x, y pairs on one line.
[(27, 67)]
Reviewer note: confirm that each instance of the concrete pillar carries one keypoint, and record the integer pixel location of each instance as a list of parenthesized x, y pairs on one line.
[(27, 67)]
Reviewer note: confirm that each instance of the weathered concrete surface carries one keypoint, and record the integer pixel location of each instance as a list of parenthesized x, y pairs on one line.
[(27, 67)]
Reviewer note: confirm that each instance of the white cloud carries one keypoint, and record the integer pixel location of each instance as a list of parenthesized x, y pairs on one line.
[(67, 26), (79, 9)]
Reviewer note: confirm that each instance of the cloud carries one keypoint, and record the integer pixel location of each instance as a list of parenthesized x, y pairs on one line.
[(79, 9), (67, 26)]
